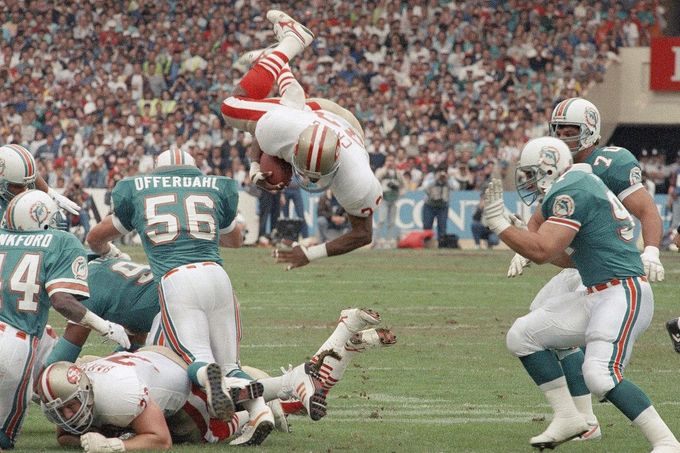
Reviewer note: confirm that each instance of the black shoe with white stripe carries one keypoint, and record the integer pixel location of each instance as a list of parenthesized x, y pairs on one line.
[(674, 331)]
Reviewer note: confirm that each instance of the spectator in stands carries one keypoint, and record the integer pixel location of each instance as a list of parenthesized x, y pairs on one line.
[(437, 186), (392, 182)]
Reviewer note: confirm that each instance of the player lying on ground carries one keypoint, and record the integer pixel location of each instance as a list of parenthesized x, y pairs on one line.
[(321, 140), (144, 387), (579, 213)]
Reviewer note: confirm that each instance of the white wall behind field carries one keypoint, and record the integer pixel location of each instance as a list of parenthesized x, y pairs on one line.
[(625, 98)]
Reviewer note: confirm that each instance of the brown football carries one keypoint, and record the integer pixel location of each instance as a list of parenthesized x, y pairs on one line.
[(281, 170)]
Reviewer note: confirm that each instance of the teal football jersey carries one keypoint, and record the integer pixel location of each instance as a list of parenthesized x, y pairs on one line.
[(604, 248), (617, 168), (35, 265), (178, 213), (123, 292)]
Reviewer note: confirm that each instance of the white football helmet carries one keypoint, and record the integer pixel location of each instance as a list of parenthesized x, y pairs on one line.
[(33, 210), (64, 385), (174, 156), (315, 158), (541, 162), (581, 113), (17, 166)]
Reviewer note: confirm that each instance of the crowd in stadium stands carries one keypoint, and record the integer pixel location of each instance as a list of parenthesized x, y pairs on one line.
[(95, 89)]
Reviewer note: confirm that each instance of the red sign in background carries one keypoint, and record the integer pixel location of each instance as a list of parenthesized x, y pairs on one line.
[(665, 64)]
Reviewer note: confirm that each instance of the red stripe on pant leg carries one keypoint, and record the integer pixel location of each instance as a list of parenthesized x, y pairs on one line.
[(165, 321), (621, 344), (23, 388), (241, 113)]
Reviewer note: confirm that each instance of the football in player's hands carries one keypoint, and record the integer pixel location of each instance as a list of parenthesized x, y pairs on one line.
[(282, 171)]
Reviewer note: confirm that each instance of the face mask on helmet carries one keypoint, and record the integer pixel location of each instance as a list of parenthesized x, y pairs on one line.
[(541, 162), (33, 210), (581, 114), (17, 168), (66, 397), (315, 159)]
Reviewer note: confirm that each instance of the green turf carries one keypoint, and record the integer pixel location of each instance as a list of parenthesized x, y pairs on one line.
[(449, 384)]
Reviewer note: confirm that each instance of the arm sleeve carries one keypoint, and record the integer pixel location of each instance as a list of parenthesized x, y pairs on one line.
[(123, 209), (228, 205), (566, 208), (68, 272)]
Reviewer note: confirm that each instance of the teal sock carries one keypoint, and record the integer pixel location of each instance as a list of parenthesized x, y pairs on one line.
[(193, 369), (572, 365), (63, 350), (542, 366), (239, 373), (629, 399)]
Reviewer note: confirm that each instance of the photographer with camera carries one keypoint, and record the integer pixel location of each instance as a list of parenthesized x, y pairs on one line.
[(75, 192), (332, 221), (437, 186), (392, 182)]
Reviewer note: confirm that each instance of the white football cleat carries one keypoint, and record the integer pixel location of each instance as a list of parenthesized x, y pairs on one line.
[(285, 26), (594, 433), (220, 404), (302, 383), (356, 319), (280, 417), (559, 431), (241, 390), (250, 58), (369, 339), (257, 429)]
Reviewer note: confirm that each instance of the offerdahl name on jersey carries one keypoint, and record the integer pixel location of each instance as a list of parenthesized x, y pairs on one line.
[(25, 240), (145, 182)]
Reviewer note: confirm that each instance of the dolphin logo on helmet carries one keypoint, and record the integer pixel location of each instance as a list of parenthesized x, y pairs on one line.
[(541, 162)]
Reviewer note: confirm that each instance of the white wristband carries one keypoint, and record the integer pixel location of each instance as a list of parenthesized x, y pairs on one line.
[(95, 323), (315, 252), (254, 169)]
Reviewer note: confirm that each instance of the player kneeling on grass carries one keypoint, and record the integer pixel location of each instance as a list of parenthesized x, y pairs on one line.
[(579, 213)]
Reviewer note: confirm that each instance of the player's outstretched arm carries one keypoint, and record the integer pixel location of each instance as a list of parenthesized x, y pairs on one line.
[(297, 255), (70, 308), (544, 246), (99, 239), (232, 239), (257, 177), (69, 345)]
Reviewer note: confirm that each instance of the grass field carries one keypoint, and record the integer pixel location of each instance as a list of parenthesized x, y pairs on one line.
[(449, 384)]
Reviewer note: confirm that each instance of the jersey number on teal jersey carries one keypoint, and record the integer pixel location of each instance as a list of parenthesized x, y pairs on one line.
[(165, 227), (140, 273), (627, 228), (24, 281)]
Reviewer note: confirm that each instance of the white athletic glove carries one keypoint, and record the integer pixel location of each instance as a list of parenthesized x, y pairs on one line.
[(517, 265), (255, 173), (494, 210), (96, 443), (652, 264), (108, 329), (63, 202), (114, 252)]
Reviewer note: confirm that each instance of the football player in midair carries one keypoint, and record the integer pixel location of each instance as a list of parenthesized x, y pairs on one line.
[(614, 308), (41, 266), (577, 122), (322, 141)]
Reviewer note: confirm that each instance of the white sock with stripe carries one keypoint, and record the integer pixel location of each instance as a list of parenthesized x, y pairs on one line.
[(557, 394), (292, 93)]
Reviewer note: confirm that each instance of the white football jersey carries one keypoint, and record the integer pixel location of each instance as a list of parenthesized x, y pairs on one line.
[(355, 186), (123, 383)]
